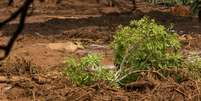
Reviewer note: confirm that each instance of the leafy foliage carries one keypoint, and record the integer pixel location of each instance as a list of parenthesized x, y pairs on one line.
[(146, 44), (195, 6), (143, 45), (87, 71)]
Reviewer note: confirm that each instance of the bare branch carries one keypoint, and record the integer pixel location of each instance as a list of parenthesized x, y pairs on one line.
[(21, 12)]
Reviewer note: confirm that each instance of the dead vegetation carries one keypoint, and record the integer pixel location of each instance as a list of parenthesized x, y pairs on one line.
[(25, 85)]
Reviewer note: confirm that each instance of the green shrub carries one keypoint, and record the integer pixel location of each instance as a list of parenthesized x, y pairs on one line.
[(146, 44), (143, 45), (87, 71), (138, 47)]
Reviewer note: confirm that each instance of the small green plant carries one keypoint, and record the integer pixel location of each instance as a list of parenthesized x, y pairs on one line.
[(143, 45), (193, 63), (87, 71), (195, 6), (146, 44)]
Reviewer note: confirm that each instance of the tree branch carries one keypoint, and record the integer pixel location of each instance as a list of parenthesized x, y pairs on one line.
[(21, 12)]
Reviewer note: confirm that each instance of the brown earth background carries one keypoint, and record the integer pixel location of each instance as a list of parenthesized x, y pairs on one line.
[(77, 27)]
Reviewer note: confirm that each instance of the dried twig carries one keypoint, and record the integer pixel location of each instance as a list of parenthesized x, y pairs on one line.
[(179, 91), (198, 88), (4, 79)]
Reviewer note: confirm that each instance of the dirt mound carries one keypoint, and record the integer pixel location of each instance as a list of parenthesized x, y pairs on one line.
[(30, 83)]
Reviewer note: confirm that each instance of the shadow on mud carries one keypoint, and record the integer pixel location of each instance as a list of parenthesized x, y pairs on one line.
[(103, 26)]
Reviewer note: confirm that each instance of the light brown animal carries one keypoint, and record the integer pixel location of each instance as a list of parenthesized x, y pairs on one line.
[(180, 10)]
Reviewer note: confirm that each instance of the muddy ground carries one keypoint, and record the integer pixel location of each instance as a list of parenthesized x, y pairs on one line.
[(77, 27)]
